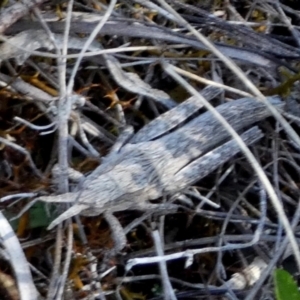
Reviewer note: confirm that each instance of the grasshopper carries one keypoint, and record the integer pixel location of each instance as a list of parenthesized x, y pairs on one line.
[(155, 163)]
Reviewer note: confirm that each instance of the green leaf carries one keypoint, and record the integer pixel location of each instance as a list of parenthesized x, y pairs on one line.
[(285, 286), (38, 216)]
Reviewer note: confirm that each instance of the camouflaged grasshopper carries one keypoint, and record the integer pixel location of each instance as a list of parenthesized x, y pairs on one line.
[(164, 158)]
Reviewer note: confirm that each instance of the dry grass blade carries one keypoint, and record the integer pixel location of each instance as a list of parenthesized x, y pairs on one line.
[(16, 11), (18, 261)]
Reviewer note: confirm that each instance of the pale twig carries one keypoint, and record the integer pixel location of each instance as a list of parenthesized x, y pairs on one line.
[(37, 241), (211, 82), (69, 56), (93, 266), (19, 264), (157, 277), (42, 72), (45, 26), (93, 152), (140, 98), (30, 92), (25, 153), (148, 61), (37, 272), (288, 9), (232, 10), (48, 131), (275, 147), (64, 110), (268, 238), (134, 84), (88, 42), (219, 181), (79, 147), (136, 222), (154, 7), (67, 262), (167, 287), (235, 219), (55, 277), (96, 130), (13, 13), (259, 229), (293, 118), (288, 23), (20, 195), (122, 139), (220, 271), (187, 255), (255, 239), (33, 126), (205, 200), (103, 114)]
